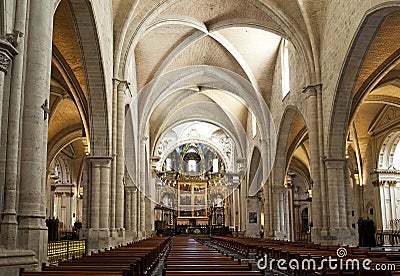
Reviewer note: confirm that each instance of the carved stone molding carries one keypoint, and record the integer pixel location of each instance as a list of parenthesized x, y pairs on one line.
[(7, 52)]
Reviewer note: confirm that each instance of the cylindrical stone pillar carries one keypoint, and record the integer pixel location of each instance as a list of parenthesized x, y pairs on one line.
[(86, 195), (119, 201), (128, 208), (114, 150), (104, 218), (134, 210), (142, 179), (95, 194), (317, 204), (32, 232)]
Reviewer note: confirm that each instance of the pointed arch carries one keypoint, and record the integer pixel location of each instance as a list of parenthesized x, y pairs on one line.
[(86, 30), (341, 111)]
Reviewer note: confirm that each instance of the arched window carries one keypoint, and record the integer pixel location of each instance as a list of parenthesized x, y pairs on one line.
[(285, 68)]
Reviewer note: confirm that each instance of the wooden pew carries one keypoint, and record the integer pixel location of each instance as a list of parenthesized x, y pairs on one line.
[(71, 273), (299, 251), (132, 260), (189, 257)]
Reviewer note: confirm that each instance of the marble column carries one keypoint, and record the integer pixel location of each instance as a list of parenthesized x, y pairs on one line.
[(119, 201), (379, 211), (9, 223), (392, 192), (383, 205), (32, 232)]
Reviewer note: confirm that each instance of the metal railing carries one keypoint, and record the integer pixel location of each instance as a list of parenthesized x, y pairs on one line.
[(65, 250)]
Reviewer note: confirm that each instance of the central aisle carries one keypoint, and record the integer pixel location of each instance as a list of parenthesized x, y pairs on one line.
[(189, 257)]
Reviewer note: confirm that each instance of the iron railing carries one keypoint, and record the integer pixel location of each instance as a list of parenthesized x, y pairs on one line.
[(65, 250)]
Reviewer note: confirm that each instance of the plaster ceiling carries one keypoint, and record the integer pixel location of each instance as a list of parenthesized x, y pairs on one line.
[(207, 33)]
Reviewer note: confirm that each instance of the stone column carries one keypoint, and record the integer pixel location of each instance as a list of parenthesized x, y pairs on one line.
[(333, 199), (99, 233), (128, 208), (104, 212), (142, 180), (270, 207), (86, 197), (95, 194), (297, 221), (276, 226), (289, 207), (32, 232), (338, 229), (119, 201), (319, 210), (349, 198), (114, 151), (266, 186), (243, 206), (9, 220), (134, 210), (7, 51)]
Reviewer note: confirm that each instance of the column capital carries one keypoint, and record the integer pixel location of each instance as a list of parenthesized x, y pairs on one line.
[(392, 182), (131, 188), (7, 52), (380, 183), (311, 90), (335, 163), (100, 160), (122, 85)]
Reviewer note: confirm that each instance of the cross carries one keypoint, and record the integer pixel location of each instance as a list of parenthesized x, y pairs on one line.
[(46, 110)]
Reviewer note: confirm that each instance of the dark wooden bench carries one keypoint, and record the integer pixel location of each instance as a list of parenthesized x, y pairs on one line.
[(189, 257), (70, 273), (133, 260), (126, 270), (214, 272)]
